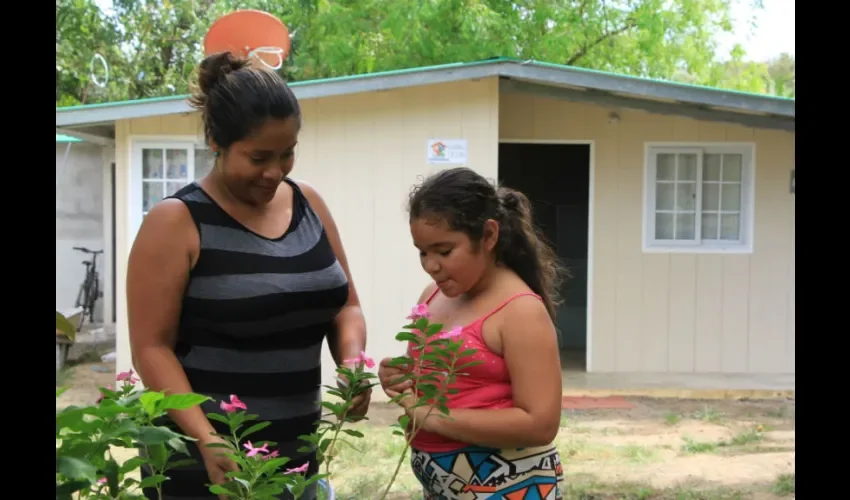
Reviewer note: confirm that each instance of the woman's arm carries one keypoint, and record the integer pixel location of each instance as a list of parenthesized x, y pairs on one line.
[(157, 273), (530, 348), (350, 336)]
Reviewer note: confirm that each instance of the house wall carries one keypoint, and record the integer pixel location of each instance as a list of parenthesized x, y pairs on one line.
[(675, 312), (79, 218), (363, 153)]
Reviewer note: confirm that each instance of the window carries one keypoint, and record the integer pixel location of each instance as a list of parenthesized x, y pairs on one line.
[(168, 166), (203, 161), (165, 169), (699, 198)]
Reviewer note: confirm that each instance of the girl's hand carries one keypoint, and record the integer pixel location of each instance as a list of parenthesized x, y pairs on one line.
[(390, 375), (419, 414)]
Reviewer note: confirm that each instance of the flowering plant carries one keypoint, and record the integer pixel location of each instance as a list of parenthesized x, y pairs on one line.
[(433, 355), (123, 417), (263, 473)]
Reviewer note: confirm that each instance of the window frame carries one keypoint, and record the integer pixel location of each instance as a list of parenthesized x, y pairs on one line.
[(138, 143), (744, 244)]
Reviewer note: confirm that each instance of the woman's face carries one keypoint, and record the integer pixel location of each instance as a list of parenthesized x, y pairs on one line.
[(450, 257), (254, 167)]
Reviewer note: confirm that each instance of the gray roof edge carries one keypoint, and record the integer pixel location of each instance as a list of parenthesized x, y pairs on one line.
[(531, 70), (638, 87)]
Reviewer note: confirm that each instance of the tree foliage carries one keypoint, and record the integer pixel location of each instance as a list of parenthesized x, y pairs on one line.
[(152, 46)]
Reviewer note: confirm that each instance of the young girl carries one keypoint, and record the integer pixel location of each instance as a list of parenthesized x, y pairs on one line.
[(494, 276)]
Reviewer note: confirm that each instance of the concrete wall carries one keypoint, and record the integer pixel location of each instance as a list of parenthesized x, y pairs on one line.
[(79, 217)]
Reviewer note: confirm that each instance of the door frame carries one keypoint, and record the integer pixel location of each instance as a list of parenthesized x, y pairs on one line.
[(591, 175), (107, 259)]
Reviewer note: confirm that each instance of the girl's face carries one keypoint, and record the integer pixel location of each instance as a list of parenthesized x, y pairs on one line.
[(452, 260)]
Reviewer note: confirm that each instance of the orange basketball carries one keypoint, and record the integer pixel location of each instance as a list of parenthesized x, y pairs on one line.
[(245, 31)]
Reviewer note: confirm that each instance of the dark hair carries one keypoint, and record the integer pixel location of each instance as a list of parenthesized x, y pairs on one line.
[(465, 200), (236, 97)]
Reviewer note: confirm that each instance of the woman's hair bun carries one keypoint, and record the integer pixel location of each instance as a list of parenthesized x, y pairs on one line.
[(212, 70)]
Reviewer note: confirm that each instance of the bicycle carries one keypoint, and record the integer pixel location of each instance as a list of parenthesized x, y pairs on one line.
[(90, 288)]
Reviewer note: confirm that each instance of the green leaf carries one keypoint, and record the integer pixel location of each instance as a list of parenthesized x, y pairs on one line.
[(151, 481), (156, 435), (267, 491), (219, 445), (76, 468), (218, 417), (180, 401), (400, 361), (60, 391), (433, 329), (353, 433), (132, 464), (65, 490), (406, 337), (217, 489), (158, 455), (178, 444), (110, 471), (254, 428), (149, 401), (65, 326), (180, 463)]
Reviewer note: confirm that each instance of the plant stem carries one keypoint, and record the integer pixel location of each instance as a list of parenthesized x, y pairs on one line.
[(415, 429), (329, 454)]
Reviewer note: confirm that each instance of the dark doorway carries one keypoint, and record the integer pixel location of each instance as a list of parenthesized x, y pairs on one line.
[(556, 178)]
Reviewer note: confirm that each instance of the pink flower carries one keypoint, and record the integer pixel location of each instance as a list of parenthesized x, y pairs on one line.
[(233, 405), (127, 377), (102, 395), (253, 451), (298, 470), (419, 311), (362, 358), (101, 480), (271, 455), (454, 332)]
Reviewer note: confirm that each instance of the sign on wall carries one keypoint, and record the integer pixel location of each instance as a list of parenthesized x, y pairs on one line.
[(447, 151)]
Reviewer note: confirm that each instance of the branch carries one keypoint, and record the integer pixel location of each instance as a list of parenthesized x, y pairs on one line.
[(584, 50)]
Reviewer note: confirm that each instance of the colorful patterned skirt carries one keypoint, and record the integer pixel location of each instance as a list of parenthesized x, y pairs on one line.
[(475, 472)]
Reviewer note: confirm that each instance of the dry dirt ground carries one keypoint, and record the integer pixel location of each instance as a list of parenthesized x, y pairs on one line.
[(661, 449)]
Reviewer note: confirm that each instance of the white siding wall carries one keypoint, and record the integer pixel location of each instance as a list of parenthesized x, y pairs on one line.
[(363, 153)]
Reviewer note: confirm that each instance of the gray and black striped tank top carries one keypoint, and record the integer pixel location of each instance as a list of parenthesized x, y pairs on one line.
[(255, 314)]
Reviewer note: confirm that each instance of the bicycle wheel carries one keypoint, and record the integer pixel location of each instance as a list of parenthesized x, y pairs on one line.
[(93, 295)]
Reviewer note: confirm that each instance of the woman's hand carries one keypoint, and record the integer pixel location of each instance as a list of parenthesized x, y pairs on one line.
[(390, 375), (360, 402), (216, 462)]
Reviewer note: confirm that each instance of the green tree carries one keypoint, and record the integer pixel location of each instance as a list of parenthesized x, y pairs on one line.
[(152, 46)]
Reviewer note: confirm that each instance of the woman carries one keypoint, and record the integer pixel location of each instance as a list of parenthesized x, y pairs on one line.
[(492, 273), (235, 280)]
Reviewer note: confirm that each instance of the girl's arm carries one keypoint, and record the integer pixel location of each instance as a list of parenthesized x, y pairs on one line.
[(530, 348), (157, 272)]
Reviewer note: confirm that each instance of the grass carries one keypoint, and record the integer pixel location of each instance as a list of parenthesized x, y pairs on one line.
[(593, 490), (600, 458), (784, 485), (363, 475)]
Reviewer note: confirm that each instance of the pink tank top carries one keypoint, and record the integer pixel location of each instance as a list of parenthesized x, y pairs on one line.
[(484, 386)]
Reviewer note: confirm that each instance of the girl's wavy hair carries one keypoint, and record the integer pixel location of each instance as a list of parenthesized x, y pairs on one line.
[(466, 200)]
